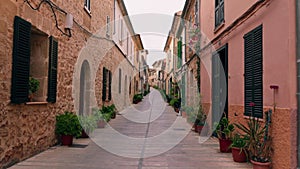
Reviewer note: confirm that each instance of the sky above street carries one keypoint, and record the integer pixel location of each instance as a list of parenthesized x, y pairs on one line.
[(152, 19)]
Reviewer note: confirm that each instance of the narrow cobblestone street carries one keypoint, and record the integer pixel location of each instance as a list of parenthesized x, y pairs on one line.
[(188, 154)]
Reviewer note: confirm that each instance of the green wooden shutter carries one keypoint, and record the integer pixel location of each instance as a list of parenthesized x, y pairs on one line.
[(109, 84), (179, 47), (104, 84), (253, 79), (52, 71), (258, 72), (21, 61), (248, 69)]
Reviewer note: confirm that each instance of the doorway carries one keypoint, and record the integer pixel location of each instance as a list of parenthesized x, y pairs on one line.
[(220, 84), (85, 88)]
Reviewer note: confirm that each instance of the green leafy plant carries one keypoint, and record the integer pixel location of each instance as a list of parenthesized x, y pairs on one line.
[(187, 109), (68, 124), (137, 98), (88, 123), (238, 141), (100, 114), (259, 144), (201, 116), (155, 87), (174, 102), (34, 85), (224, 129), (146, 92)]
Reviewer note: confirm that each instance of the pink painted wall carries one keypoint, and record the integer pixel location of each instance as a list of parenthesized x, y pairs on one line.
[(278, 49), (233, 9), (279, 67)]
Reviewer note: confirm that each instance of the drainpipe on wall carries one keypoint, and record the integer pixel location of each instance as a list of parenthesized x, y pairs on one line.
[(298, 76)]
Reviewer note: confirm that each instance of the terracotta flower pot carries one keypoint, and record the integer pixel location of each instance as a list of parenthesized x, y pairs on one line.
[(101, 124), (183, 114), (238, 155), (84, 134), (199, 128), (225, 145), (66, 140), (259, 165)]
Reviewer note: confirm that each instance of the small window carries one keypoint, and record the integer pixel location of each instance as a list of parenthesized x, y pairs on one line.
[(107, 26), (106, 84), (87, 5), (129, 85), (120, 80), (219, 12), (121, 32), (127, 45), (114, 16), (34, 64)]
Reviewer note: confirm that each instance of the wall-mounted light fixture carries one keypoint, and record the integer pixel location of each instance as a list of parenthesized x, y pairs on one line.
[(69, 23)]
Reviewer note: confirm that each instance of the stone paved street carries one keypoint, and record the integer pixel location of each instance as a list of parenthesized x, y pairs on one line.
[(188, 154)]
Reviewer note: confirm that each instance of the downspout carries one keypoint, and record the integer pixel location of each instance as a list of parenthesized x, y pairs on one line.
[(298, 76)]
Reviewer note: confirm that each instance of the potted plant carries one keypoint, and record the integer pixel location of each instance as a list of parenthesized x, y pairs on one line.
[(186, 110), (112, 109), (67, 126), (259, 144), (34, 86), (224, 131), (88, 124), (99, 118), (175, 103), (238, 148), (137, 98), (200, 120)]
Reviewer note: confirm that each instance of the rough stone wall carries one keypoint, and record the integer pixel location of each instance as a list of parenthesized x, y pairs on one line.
[(28, 129), (113, 60)]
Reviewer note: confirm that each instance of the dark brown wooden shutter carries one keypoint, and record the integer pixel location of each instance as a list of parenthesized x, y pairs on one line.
[(21, 61), (52, 72), (253, 79)]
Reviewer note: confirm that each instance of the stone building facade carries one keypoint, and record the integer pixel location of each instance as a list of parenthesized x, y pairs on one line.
[(70, 65)]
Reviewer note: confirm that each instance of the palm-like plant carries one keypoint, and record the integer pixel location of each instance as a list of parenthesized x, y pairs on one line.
[(259, 141)]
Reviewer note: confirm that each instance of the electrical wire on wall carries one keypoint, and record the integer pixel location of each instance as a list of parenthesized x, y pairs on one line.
[(54, 14), (54, 7)]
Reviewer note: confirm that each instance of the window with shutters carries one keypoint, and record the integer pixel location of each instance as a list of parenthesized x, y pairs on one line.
[(253, 73), (108, 30), (120, 80), (219, 12), (106, 84), (179, 53), (34, 56)]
